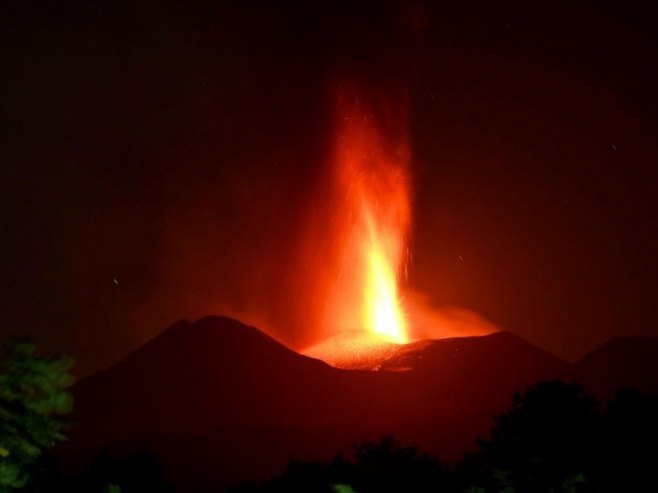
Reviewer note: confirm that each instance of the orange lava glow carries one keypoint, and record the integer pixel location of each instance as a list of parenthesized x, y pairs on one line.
[(371, 200)]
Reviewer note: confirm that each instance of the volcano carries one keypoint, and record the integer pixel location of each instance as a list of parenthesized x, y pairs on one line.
[(219, 402)]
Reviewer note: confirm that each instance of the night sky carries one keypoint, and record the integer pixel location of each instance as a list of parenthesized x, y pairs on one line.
[(157, 160)]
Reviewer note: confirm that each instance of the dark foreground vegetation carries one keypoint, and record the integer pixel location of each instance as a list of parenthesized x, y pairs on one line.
[(553, 438), (33, 397)]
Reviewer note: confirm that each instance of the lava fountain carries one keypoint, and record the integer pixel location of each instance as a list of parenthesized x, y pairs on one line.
[(373, 180), (359, 234), (366, 232)]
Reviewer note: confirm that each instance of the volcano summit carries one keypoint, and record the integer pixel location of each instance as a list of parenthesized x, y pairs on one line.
[(217, 394)]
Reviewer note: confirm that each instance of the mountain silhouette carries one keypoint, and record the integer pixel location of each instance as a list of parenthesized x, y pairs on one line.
[(220, 402), (629, 362)]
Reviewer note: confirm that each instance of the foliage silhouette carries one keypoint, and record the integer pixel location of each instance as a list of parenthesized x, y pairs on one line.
[(628, 456), (544, 442), (553, 439), (33, 397), (388, 466), (381, 466), (140, 473)]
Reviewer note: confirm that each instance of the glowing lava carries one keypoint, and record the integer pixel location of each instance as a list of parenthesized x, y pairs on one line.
[(355, 251), (372, 216)]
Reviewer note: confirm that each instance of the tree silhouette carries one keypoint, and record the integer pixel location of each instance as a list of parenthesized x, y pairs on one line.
[(138, 473), (553, 439), (374, 466), (33, 397), (386, 465), (547, 441), (629, 454)]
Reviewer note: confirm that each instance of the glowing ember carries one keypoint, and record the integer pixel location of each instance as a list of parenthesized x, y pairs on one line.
[(354, 351), (371, 195)]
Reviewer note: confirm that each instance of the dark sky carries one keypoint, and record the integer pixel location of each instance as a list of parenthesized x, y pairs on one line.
[(157, 159)]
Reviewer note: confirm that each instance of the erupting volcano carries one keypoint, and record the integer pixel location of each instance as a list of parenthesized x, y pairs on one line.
[(369, 198), (357, 246)]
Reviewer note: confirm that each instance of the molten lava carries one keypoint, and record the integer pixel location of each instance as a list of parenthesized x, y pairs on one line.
[(356, 248), (371, 200)]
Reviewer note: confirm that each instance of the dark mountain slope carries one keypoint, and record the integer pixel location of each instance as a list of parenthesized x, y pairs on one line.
[(626, 362), (217, 401)]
